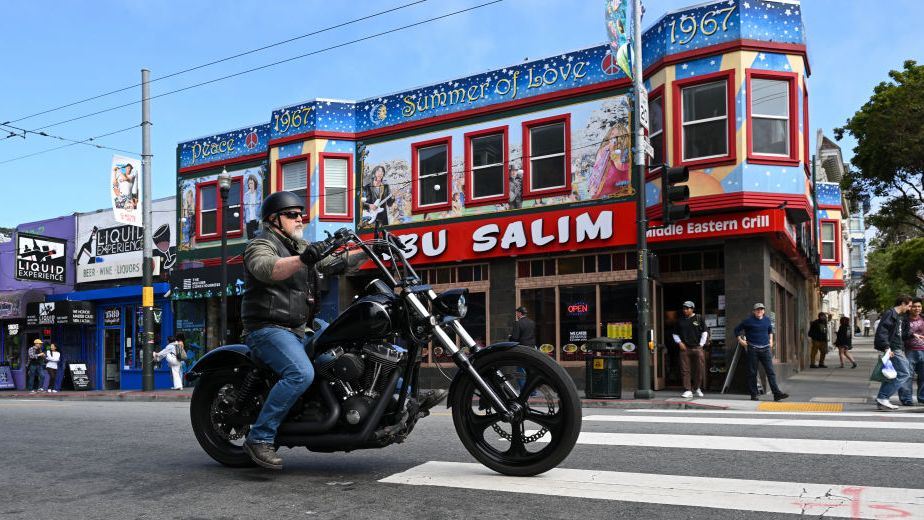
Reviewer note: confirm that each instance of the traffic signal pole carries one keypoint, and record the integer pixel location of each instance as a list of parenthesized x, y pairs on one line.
[(643, 335)]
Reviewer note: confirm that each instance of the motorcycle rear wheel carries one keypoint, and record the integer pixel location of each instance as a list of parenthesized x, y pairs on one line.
[(551, 418), (222, 442)]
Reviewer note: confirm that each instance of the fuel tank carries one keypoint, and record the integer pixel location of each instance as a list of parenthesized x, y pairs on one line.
[(368, 318)]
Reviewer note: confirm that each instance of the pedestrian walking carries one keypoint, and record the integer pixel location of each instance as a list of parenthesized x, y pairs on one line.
[(755, 334), (818, 332), (52, 358), (844, 342), (169, 353), (524, 329), (890, 337), (866, 327), (34, 371), (690, 336), (914, 348)]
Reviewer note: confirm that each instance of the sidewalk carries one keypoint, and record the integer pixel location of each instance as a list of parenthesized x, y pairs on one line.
[(843, 389)]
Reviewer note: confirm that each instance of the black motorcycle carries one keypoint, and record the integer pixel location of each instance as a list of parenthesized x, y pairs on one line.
[(514, 408)]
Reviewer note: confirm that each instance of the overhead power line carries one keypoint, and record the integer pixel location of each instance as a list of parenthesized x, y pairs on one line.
[(222, 60), (275, 63), (73, 142)]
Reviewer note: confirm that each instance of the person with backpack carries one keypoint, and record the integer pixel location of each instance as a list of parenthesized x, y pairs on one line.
[(175, 354)]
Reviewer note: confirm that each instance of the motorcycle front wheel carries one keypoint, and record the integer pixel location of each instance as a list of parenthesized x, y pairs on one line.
[(541, 435), (210, 413)]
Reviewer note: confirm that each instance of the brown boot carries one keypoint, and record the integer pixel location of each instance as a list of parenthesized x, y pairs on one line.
[(264, 454)]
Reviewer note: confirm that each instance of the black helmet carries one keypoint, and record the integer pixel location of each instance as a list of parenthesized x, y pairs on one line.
[(280, 201)]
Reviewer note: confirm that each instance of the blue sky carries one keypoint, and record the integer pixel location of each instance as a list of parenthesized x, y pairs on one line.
[(60, 52)]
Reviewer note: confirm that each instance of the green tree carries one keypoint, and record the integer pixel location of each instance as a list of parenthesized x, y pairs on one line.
[(880, 286), (907, 262), (889, 155)]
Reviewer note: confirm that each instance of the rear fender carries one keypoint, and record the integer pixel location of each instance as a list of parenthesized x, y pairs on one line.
[(487, 351), (228, 356)]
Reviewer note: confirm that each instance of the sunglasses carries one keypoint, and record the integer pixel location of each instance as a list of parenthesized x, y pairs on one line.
[(291, 214)]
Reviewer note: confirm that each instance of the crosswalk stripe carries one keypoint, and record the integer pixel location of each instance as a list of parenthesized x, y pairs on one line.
[(830, 500), (908, 450), (883, 415), (776, 422)]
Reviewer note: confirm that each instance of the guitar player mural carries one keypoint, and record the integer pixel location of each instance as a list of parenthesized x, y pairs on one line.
[(377, 198)]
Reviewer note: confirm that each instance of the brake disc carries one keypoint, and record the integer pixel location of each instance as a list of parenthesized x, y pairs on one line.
[(549, 402)]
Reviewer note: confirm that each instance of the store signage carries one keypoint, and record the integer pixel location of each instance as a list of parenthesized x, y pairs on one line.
[(205, 282), (40, 258), (112, 316), (12, 329), (79, 376), (572, 229), (578, 309), (60, 313), (110, 251), (740, 224)]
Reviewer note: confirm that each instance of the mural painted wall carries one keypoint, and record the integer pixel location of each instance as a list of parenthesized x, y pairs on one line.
[(600, 165), (242, 142), (253, 180)]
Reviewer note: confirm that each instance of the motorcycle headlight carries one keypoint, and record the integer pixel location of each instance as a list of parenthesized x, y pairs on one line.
[(452, 303)]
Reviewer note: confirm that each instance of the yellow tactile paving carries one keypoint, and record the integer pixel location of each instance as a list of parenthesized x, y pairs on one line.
[(801, 407)]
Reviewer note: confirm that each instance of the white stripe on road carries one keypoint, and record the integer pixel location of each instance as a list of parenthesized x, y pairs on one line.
[(786, 423), (883, 415), (908, 450), (830, 500)]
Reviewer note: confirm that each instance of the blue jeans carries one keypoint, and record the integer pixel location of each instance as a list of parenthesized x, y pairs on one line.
[(765, 358), (35, 376), (285, 353), (902, 381), (916, 359)]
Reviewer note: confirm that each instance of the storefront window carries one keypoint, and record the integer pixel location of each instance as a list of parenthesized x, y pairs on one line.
[(190, 320), (578, 311), (135, 348), (618, 315), (12, 345), (540, 306)]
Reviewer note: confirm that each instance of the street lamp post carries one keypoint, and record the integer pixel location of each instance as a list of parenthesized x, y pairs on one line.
[(224, 186)]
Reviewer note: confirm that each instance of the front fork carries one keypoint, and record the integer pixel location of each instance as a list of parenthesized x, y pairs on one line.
[(462, 361)]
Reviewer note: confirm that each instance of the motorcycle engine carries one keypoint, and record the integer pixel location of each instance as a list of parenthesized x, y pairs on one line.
[(359, 375)]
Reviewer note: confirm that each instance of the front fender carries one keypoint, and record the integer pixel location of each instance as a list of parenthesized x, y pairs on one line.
[(222, 357), (490, 349)]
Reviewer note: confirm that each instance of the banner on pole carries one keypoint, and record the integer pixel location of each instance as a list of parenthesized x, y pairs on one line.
[(125, 188), (617, 29)]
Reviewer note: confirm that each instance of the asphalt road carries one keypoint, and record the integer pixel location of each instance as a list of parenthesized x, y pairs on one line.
[(129, 460)]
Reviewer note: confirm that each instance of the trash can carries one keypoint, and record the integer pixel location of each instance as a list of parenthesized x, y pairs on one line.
[(603, 368)]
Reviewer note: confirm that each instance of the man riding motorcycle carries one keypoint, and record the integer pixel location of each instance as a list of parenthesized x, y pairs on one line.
[(279, 301)]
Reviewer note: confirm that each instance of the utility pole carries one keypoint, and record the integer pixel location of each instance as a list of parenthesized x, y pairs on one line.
[(147, 292), (643, 335)]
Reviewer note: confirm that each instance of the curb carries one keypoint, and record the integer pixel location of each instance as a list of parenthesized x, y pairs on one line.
[(168, 396), (629, 404)]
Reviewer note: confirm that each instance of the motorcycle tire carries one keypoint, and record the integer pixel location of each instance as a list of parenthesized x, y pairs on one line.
[(205, 396), (542, 377)]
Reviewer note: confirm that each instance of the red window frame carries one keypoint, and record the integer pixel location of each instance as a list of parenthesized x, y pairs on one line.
[(470, 200), (677, 118), (416, 207), (348, 217), (295, 158), (779, 160), (655, 94), (837, 247), (805, 131), (528, 192), (219, 210)]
